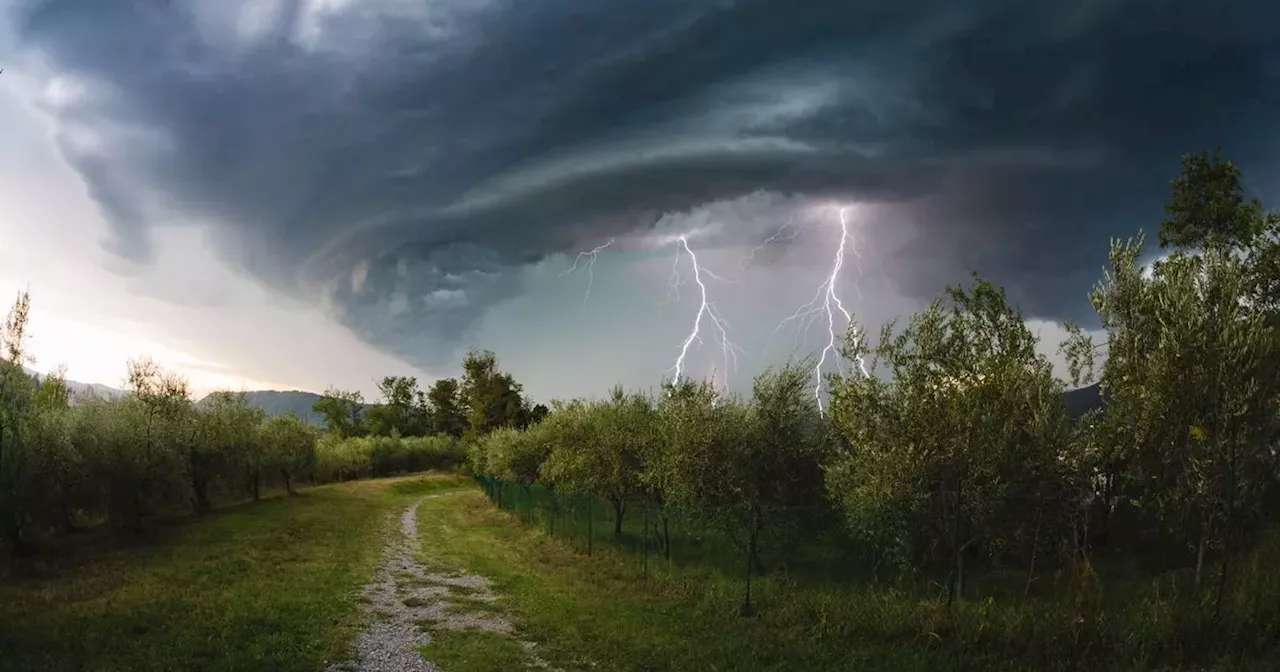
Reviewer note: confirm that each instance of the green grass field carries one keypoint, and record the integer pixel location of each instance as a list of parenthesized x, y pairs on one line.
[(274, 586), (260, 586)]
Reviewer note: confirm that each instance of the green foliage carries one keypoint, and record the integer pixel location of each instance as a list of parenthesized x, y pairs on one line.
[(448, 412), (403, 410), (493, 399), (599, 448), (958, 452), (1193, 385), (1208, 208), (289, 443), (339, 459), (343, 412)]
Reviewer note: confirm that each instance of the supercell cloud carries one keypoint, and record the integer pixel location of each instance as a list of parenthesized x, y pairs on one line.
[(400, 162)]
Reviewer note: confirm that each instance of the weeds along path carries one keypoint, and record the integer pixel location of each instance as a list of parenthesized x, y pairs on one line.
[(411, 607)]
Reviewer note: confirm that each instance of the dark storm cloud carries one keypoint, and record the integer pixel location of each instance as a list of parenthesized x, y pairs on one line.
[(371, 156)]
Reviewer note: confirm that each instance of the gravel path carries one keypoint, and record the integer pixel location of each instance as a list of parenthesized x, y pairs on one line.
[(403, 596)]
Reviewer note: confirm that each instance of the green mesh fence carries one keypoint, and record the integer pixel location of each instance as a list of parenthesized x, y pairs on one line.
[(796, 541)]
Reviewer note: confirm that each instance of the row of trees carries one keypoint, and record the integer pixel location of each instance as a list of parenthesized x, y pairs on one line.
[(485, 399), (958, 447), (64, 466)]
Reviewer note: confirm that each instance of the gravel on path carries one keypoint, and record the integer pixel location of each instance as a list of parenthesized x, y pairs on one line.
[(403, 595)]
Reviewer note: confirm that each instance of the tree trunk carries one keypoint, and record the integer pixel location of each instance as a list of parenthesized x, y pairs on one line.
[(666, 538), (1228, 531), (955, 586), (645, 549), (1200, 547), (200, 491), (1035, 546), (18, 547), (255, 482), (751, 553), (288, 482), (619, 510)]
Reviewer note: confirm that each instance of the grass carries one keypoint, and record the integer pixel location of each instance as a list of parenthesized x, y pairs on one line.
[(473, 651), (463, 604), (275, 585), (269, 585), (596, 613)]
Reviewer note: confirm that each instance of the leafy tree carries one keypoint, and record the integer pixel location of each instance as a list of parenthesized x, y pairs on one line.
[(448, 413), (16, 459), (960, 443), (231, 436), (52, 391), (493, 399), (606, 455), (1191, 377), (290, 443), (343, 412), (403, 408), (161, 401), (1207, 207)]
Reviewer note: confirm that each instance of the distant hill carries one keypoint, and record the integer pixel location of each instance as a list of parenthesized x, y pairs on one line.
[(275, 402), (83, 391), (1082, 400)]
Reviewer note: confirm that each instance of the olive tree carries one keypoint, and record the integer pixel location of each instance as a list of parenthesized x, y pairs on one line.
[(290, 446), (1192, 385), (948, 453), (17, 460), (605, 456)]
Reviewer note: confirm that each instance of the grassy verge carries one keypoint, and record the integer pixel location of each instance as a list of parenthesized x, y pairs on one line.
[(265, 586), (596, 613)]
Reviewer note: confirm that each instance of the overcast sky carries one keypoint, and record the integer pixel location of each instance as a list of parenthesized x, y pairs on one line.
[(296, 193)]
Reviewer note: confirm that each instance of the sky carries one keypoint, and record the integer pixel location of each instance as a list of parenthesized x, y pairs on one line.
[(292, 194)]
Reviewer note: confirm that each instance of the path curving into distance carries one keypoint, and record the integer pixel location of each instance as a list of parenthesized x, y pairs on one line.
[(404, 602)]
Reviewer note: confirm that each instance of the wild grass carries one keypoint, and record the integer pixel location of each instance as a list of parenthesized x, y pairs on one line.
[(473, 651), (596, 612), (271, 585)]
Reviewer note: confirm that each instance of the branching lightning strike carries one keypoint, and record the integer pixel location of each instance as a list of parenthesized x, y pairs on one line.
[(706, 308), (826, 302), (590, 266)]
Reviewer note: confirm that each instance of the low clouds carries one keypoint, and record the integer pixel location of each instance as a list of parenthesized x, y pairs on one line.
[(404, 163)]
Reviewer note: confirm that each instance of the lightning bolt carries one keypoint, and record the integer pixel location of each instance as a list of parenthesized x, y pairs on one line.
[(590, 266), (779, 235), (826, 302), (706, 309)]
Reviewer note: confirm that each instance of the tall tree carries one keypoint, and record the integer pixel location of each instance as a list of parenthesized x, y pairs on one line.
[(493, 398), (16, 389), (343, 411), (1191, 375), (448, 414), (1208, 208), (402, 410)]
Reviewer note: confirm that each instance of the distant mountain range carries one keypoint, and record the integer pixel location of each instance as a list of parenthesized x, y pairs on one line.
[(82, 391), (276, 402)]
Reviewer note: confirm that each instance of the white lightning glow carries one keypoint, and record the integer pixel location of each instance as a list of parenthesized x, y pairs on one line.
[(590, 266), (706, 309), (826, 302), (778, 236)]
